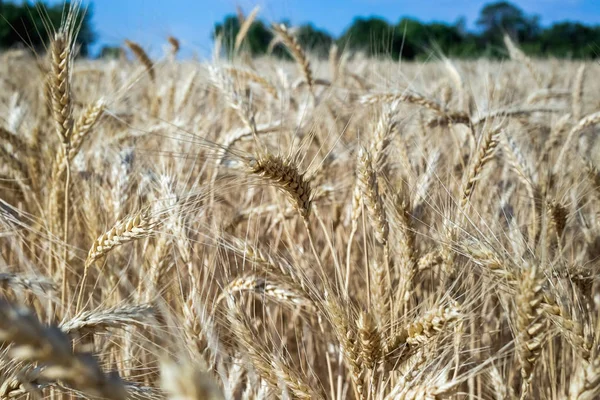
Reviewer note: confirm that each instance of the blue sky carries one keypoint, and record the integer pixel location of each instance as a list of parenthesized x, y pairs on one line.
[(149, 22)]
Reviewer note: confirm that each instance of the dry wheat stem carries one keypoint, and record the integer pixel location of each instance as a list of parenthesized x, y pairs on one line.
[(577, 94)]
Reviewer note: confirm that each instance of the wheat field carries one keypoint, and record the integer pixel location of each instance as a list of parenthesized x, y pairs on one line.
[(350, 228)]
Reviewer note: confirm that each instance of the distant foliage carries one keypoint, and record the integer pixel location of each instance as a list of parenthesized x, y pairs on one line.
[(27, 25), (412, 39), (111, 52), (571, 39), (257, 39), (260, 36), (317, 40)]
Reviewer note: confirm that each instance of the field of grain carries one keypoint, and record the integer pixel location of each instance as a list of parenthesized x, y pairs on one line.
[(256, 228)]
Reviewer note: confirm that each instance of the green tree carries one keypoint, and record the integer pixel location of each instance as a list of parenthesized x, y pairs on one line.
[(570, 39), (409, 38), (24, 24), (419, 38), (374, 36), (259, 36), (413, 39), (256, 41), (315, 41), (111, 52), (502, 17)]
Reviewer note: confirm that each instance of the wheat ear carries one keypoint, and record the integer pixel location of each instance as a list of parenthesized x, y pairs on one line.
[(334, 62), (367, 182), (135, 227), (285, 175), (188, 382), (585, 384), (175, 45), (382, 135), (347, 337), (485, 154), (411, 337), (36, 343), (583, 124), (280, 290), (244, 28), (60, 86), (370, 341), (530, 325), (60, 50), (518, 55), (558, 214), (594, 176), (114, 317), (81, 129), (84, 125), (424, 328), (297, 52), (143, 57)]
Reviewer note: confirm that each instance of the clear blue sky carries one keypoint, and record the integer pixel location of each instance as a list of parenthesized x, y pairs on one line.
[(149, 22)]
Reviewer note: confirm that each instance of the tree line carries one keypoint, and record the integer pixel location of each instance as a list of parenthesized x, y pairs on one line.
[(30, 24), (412, 39), (27, 24)]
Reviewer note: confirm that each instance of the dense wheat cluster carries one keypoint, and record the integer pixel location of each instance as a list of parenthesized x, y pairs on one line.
[(254, 228)]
